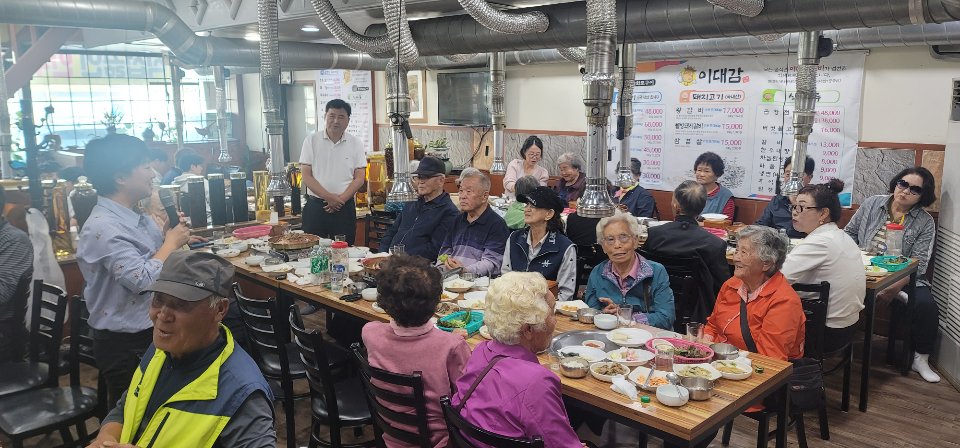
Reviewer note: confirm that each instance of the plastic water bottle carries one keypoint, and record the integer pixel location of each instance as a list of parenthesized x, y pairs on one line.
[(320, 264), (339, 257)]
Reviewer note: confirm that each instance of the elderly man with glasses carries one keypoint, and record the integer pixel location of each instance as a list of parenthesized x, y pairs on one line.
[(421, 226)]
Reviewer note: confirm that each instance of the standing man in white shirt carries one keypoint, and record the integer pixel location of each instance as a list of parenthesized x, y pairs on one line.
[(333, 164)]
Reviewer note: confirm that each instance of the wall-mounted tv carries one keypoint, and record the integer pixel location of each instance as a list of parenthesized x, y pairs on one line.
[(464, 98)]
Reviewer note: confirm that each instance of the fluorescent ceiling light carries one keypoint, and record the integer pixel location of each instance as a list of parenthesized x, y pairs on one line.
[(310, 28), (253, 37), (203, 33)]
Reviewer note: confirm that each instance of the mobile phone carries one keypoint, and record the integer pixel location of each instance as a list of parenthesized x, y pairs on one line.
[(350, 297), (281, 277)]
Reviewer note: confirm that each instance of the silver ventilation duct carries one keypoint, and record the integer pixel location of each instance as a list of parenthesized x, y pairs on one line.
[(498, 84), (628, 73), (6, 140), (268, 23), (749, 8), (220, 85), (597, 97), (398, 30), (398, 105), (506, 22), (460, 58), (331, 19), (573, 54), (175, 90), (805, 103)]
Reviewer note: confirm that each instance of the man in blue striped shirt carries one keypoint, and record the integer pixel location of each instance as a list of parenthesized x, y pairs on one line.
[(478, 235), (16, 269)]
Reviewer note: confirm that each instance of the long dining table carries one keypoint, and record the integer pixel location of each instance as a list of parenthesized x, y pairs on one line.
[(682, 426)]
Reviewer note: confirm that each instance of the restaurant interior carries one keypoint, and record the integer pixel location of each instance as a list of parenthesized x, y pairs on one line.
[(234, 107)]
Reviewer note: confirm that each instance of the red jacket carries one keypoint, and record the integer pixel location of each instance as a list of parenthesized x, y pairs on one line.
[(776, 318)]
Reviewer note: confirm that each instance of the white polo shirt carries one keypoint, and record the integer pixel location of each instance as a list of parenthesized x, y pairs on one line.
[(332, 162)]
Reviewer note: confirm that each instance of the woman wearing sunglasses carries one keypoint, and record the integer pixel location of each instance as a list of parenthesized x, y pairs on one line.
[(827, 254), (910, 191)]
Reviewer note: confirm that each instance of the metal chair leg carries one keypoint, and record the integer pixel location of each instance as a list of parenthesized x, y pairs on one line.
[(727, 429), (763, 431), (822, 417), (801, 431), (847, 372), (287, 387), (642, 437)]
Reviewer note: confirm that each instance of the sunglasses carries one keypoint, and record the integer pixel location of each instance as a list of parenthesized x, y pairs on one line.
[(904, 185)]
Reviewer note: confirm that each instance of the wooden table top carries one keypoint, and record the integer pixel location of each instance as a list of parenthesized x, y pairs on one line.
[(688, 422)]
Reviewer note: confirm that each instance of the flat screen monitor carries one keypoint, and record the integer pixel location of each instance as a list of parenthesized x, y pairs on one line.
[(464, 98)]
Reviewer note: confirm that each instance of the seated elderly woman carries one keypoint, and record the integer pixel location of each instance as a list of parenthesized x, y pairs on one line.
[(542, 247), (573, 181), (513, 395), (626, 278), (827, 254), (409, 289), (910, 191), (775, 319), (514, 215)]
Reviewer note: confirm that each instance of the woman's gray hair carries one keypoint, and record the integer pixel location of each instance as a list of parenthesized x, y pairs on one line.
[(618, 216), (525, 185), (771, 248), (574, 160), (514, 300)]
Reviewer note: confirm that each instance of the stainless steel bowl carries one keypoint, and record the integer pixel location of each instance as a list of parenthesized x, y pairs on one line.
[(574, 367), (585, 315), (700, 388), (724, 352)]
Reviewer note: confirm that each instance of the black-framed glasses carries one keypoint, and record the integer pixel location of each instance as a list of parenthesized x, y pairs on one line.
[(913, 189), (798, 209)]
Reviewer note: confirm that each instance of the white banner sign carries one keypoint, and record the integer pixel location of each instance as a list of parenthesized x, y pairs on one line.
[(742, 109), (354, 87)]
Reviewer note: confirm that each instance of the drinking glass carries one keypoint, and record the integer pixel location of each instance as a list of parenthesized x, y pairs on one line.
[(695, 331), (626, 316), (554, 360), (339, 237), (397, 249), (469, 276), (663, 360)]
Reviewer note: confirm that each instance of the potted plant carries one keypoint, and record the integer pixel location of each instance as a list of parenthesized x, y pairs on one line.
[(111, 120), (438, 148)]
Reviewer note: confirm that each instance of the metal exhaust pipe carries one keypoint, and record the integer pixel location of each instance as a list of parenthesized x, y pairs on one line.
[(498, 74), (398, 104), (268, 25), (805, 103), (628, 73), (220, 84)]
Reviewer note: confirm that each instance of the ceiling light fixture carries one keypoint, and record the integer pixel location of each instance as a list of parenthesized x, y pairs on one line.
[(252, 37), (203, 33), (310, 29)]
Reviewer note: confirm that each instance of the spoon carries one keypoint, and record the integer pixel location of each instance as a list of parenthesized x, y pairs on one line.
[(674, 379)]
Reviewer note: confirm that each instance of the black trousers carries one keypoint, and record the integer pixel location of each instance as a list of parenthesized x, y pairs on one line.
[(926, 320), (318, 222), (118, 355)]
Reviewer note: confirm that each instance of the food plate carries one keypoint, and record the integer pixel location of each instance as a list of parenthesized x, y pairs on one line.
[(447, 296), (875, 271), (228, 253), (630, 356), (654, 343), (358, 252), (730, 369), (629, 337), (282, 267), (445, 308), (714, 216), (589, 353), (606, 371), (484, 332), (252, 232), (461, 320), (376, 307), (458, 285), (473, 304), (570, 307), (639, 375), (684, 353), (294, 241), (700, 370)]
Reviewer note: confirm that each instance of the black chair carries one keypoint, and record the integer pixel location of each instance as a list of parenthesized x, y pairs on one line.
[(41, 368), (688, 299), (383, 402), (815, 311), (14, 336), (41, 411), (335, 404), (588, 257), (461, 429), (376, 226), (275, 354)]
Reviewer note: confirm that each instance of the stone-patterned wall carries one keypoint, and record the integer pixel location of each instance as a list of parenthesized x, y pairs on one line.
[(877, 166), (554, 146)]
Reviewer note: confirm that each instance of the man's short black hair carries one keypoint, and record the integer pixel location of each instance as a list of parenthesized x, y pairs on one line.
[(337, 104), (188, 160), (109, 158), (808, 166)]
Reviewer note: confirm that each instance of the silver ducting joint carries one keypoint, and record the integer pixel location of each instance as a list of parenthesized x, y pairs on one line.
[(220, 85), (6, 140), (749, 8), (498, 83), (268, 25), (805, 102), (597, 96), (628, 73), (358, 42), (573, 54), (398, 106), (506, 22), (460, 58), (398, 29)]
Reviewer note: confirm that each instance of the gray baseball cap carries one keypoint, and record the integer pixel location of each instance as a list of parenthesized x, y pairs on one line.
[(193, 276)]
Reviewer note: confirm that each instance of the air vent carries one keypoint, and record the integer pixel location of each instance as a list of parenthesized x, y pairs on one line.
[(955, 101), (946, 281)]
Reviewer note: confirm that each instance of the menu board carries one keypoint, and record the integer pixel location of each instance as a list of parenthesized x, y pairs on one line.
[(356, 88), (742, 109)]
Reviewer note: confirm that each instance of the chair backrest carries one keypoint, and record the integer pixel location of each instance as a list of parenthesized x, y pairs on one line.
[(46, 326), (382, 390), (463, 432), (588, 257), (313, 353), (81, 351), (266, 326), (685, 282), (375, 227), (15, 314), (815, 310)]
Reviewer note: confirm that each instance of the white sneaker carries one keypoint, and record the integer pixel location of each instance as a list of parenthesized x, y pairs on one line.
[(922, 366)]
